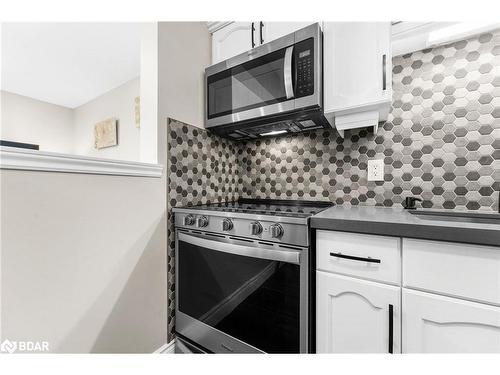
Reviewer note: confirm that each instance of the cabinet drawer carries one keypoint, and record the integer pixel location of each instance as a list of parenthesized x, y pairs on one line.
[(461, 270), (365, 256)]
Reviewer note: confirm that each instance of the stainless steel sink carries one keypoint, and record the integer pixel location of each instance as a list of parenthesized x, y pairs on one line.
[(465, 217)]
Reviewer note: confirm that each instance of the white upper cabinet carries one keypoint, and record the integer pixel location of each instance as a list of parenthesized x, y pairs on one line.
[(439, 324), (239, 37), (232, 40), (357, 73), (356, 316), (275, 30)]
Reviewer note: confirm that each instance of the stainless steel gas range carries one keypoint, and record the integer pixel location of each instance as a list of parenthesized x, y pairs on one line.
[(243, 276)]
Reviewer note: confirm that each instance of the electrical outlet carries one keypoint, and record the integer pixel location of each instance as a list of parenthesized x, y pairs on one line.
[(376, 170)]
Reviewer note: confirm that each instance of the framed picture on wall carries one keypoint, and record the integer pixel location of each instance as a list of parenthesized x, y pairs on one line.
[(105, 133)]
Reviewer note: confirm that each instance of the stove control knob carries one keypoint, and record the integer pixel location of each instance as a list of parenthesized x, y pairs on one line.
[(276, 230), (202, 221), (189, 219), (227, 225), (256, 228)]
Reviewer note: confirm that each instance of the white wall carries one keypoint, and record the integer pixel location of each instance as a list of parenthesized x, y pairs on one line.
[(149, 93), (32, 121), (71, 131), (173, 86), (118, 103), (184, 51), (83, 261), (83, 257)]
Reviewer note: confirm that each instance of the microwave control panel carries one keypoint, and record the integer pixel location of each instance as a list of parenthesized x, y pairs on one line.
[(304, 58)]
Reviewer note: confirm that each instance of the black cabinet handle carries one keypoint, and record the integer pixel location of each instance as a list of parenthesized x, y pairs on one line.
[(252, 31), (384, 73), (350, 257), (261, 27), (391, 329)]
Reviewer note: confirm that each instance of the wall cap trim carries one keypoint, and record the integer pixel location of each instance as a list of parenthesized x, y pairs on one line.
[(34, 160)]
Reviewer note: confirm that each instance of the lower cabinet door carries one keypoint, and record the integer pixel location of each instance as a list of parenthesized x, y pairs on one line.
[(438, 324), (357, 316)]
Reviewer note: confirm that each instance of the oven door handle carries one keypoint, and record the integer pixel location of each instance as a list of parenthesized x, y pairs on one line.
[(248, 251), (287, 73)]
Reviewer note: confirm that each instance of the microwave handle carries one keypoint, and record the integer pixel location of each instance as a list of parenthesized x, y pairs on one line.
[(249, 251), (287, 72)]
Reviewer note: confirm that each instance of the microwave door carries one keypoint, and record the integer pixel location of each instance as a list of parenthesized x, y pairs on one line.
[(259, 87)]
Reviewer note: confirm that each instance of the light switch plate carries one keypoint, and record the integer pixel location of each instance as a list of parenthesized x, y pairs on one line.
[(376, 170)]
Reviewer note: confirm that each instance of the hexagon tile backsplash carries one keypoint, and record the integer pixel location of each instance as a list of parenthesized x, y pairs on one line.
[(441, 142)]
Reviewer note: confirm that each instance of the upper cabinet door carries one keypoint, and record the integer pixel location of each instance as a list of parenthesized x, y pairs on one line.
[(274, 30), (356, 316), (234, 39), (357, 73), (357, 63), (239, 37), (438, 324)]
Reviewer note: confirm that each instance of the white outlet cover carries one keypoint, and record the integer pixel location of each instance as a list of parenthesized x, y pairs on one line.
[(376, 170)]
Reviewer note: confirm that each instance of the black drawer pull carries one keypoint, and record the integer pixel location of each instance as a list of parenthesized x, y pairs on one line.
[(370, 260), (252, 31), (391, 329)]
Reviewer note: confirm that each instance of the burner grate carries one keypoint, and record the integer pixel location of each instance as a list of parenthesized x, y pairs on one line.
[(269, 207)]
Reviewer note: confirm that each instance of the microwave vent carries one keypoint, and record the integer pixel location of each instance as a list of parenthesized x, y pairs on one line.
[(281, 128), (308, 124)]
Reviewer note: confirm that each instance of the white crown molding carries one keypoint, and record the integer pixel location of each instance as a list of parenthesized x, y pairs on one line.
[(405, 29), (214, 26), (409, 37), (33, 160)]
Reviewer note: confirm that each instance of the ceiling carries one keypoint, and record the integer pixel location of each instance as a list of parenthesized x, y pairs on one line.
[(68, 64)]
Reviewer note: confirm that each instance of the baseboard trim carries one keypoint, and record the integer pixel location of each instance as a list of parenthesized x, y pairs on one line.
[(168, 348)]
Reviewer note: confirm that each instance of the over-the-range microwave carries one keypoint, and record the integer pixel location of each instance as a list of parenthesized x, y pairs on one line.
[(272, 89)]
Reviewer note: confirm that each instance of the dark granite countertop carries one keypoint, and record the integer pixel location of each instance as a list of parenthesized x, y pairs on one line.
[(398, 222)]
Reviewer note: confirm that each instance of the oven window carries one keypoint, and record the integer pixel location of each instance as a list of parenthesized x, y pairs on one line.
[(250, 85), (254, 300)]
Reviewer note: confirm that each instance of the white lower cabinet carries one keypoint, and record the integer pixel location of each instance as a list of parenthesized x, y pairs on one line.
[(439, 324), (357, 316), (449, 301), (454, 269)]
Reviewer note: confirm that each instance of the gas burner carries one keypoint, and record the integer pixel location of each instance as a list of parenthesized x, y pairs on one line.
[(272, 207)]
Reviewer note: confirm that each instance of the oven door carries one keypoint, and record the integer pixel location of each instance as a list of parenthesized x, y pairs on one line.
[(240, 296)]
